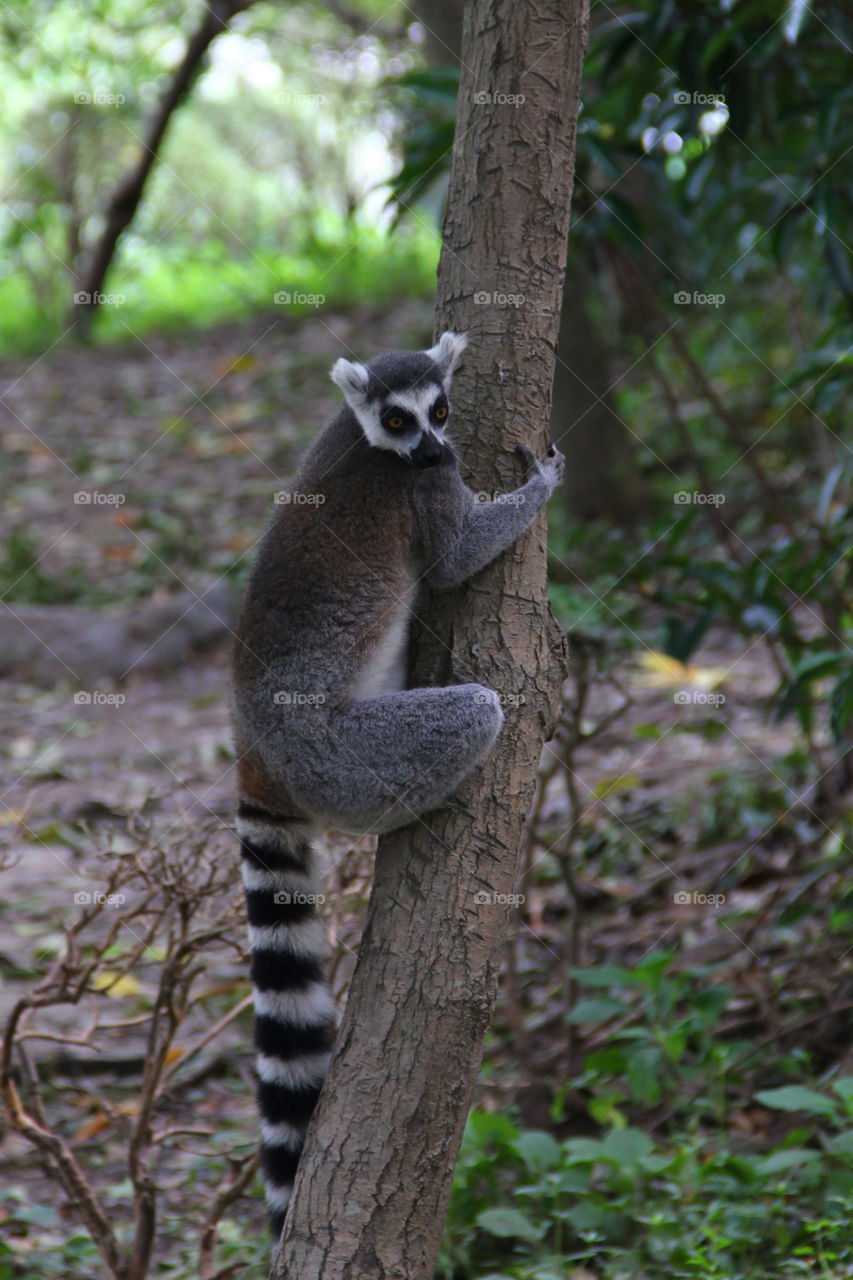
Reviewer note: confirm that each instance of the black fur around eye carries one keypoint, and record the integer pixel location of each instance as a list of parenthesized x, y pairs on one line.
[(395, 419), (439, 410)]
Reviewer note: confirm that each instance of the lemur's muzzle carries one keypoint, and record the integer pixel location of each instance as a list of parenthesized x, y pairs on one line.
[(428, 452)]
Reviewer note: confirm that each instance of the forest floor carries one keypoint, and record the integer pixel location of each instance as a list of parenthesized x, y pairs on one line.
[(691, 838)]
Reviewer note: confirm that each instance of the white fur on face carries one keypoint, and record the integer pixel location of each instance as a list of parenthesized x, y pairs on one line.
[(418, 401), (353, 379)]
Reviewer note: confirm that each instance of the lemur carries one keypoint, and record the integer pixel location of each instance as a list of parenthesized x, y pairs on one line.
[(326, 731)]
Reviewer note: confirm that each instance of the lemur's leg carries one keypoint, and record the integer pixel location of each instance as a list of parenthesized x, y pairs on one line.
[(378, 764)]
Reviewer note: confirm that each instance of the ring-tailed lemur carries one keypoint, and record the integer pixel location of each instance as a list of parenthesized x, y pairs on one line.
[(326, 730)]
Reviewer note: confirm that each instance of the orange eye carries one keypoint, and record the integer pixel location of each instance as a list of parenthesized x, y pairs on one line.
[(441, 412), (396, 422)]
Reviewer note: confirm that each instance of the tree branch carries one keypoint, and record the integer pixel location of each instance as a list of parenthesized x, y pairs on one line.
[(128, 191)]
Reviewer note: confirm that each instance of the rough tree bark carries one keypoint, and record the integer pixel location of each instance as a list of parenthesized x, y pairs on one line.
[(374, 1180), (127, 193)]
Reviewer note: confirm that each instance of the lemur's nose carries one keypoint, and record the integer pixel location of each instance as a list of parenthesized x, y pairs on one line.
[(427, 452)]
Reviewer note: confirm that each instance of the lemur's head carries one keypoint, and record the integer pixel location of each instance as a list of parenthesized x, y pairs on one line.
[(401, 399)]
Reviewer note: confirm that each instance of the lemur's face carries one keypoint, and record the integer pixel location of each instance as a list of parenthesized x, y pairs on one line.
[(400, 400)]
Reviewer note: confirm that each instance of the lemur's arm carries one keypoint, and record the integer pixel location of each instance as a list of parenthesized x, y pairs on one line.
[(459, 534)]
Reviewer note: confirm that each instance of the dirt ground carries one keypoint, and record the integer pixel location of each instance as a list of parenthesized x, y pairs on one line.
[(180, 442)]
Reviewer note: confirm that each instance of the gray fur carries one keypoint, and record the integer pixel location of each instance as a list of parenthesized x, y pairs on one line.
[(339, 564), (326, 730)]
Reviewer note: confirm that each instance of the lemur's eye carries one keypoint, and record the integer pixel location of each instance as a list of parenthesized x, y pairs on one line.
[(395, 421), (441, 412)]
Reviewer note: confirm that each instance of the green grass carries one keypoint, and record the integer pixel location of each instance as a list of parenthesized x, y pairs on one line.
[(189, 286)]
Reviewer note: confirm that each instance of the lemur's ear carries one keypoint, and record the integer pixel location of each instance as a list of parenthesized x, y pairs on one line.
[(448, 352), (352, 378)]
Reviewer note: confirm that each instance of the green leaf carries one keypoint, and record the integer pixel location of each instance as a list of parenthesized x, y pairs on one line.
[(486, 1126), (795, 1097), (644, 1072), (682, 639), (791, 1159), (674, 1044), (583, 1149), (598, 1009), (841, 707), (841, 1145), (509, 1222), (606, 975), (539, 1150), (817, 666), (588, 1217), (627, 1147), (843, 1086)]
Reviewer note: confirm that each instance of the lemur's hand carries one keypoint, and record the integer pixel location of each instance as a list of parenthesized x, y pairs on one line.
[(551, 468)]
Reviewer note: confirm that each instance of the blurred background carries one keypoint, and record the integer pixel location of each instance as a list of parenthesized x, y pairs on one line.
[(202, 207)]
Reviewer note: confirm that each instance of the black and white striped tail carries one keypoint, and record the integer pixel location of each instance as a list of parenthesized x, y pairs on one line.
[(294, 1012)]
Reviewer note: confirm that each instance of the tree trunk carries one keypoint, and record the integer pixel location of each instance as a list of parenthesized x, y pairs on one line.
[(128, 191), (375, 1176), (602, 480)]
